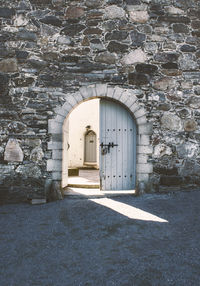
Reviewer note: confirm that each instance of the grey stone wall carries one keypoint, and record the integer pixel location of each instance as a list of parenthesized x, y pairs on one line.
[(52, 47)]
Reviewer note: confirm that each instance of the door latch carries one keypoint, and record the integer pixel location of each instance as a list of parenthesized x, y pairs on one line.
[(105, 148)]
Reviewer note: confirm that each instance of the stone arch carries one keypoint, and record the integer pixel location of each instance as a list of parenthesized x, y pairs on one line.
[(124, 96)]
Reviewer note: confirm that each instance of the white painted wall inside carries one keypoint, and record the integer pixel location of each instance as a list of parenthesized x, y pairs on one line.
[(86, 113)]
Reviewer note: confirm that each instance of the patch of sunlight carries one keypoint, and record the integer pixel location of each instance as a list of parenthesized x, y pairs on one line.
[(127, 210)]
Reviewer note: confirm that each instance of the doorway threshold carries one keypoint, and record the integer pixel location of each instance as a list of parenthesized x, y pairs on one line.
[(94, 193)]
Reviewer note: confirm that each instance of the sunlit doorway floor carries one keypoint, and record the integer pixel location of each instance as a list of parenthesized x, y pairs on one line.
[(87, 184), (88, 179)]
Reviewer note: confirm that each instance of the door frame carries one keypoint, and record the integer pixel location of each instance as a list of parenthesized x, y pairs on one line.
[(127, 98)]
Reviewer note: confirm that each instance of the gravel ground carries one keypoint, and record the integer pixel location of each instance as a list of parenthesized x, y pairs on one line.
[(80, 242)]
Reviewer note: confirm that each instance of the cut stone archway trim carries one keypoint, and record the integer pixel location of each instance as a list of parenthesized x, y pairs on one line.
[(124, 96)]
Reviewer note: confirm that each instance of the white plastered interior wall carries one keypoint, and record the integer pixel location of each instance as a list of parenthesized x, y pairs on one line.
[(85, 114)]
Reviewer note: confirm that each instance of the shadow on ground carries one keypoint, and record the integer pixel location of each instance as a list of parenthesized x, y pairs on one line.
[(81, 242)]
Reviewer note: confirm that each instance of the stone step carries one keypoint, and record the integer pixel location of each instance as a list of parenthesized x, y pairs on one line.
[(73, 172)]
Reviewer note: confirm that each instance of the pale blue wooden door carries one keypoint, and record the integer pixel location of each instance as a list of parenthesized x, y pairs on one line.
[(117, 147)]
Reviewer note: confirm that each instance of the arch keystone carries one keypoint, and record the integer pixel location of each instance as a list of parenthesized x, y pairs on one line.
[(101, 89)]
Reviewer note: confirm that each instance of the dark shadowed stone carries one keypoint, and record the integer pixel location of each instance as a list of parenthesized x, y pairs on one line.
[(38, 64), (106, 58), (116, 35), (41, 2), (170, 66), (156, 10), (74, 12), (146, 68), (138, 79), (4, 81), (92, 31), (183, 113), (164, 107), (190, 125), (110, 25), (92, 23), (165, 171), (16, 127), (171, 72), (137, 38), (188, 48), (132, 2), (116, 47), (196, 33), (93, 3), (171, 180), (51, 20), (72, 30), (166, 57), (185, 3), (70, 59), (26, 35), (174, 19), (21, 54), (146, 29), (4, 52), (197, 90), (22, 82), (6, 12), (180, 28), (195, 24)]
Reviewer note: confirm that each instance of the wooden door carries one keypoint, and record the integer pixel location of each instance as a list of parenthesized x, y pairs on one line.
[(117, 147), (90, 147)]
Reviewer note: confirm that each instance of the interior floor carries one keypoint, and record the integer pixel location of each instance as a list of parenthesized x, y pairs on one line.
[(86, 178)]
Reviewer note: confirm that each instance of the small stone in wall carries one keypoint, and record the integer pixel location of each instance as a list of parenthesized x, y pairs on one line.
[(161, 150), (13, 152), (33, 142), (164, 84), (139, 16), (171, 121), (188, 62), (20, 21), (107, 58), (74, 12), (136, 56), (190, 125), (113, 12), (93, 3), (8, 65), (194, 102), (137, 38), (187, 150), (29, 170), (37, 154)]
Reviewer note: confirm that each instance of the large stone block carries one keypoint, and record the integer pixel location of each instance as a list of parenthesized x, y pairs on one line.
[(13, 152), (8, 65), (171, 121), (136, 56), (144, 168), (113, 12), (54, 165), (139, 16)]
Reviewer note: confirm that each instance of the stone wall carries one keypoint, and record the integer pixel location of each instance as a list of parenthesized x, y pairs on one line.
[(50, 48)]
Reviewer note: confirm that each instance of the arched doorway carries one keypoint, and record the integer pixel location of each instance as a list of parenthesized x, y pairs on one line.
[(90, 148), (128, 99)]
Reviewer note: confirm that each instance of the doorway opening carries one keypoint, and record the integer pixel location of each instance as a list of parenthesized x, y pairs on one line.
[(99, 147)]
